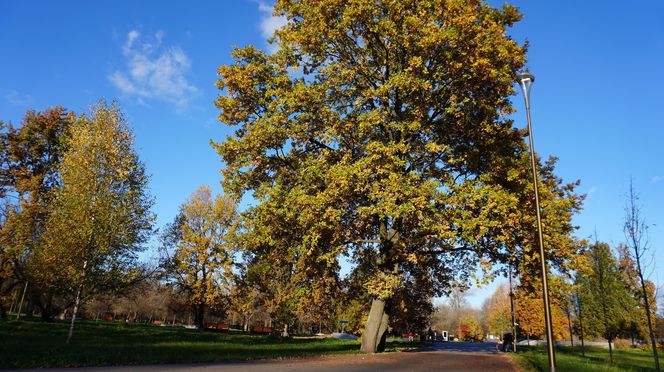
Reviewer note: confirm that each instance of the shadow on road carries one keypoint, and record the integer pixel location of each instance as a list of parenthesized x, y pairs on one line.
[(465, 347)]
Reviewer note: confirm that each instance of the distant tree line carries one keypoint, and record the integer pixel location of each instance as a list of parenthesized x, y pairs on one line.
[(599, 300)]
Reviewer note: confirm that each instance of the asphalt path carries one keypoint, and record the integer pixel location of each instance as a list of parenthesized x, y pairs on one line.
[(442, 356)]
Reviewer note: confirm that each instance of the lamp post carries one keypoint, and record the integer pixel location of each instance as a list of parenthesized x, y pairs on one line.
[(526, 80), (512, 310)]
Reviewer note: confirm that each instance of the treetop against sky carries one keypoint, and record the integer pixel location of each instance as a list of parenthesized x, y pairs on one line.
[(596, 102)]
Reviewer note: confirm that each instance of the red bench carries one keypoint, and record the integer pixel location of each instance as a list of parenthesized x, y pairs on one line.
[(261, 329), (218, 326)]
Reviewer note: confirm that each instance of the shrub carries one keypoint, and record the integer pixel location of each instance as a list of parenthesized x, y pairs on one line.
[(622, 343)]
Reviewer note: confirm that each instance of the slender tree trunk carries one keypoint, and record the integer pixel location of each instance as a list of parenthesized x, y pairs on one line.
[(653, 341), (636, 230), (611, 349), (569, 323), (73, 315), (76, 304), (583, 346), (14, 299), (371, 336), (606, 327), (512, 310), (20, 306)]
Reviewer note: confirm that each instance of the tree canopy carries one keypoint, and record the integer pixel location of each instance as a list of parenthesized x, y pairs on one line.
[(606, 300), (30, 155), (81, 211), (101, 211), (378, 130), (200, 246)]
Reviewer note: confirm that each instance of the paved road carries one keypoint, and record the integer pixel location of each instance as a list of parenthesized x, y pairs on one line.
[(451, 356), (462, 347)]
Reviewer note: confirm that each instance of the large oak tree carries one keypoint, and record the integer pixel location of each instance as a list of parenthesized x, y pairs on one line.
[(378, 130)]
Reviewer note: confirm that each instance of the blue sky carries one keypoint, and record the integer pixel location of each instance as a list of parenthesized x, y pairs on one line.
[(597, 102)]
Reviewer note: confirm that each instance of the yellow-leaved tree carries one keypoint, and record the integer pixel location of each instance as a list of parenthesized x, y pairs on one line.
[(198, 248), (380, 131), (100, 214), (530, 312), (499, 317), (469, 328)]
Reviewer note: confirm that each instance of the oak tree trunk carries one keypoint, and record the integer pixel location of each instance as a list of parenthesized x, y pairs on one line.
[(382, 333), (46, 309), (376, 323), (200, 316)]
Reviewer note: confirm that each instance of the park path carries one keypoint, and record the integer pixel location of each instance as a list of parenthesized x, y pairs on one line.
[(455, 356)]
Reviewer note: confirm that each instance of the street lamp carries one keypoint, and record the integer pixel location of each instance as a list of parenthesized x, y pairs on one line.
[(526, 80), (512, 309)]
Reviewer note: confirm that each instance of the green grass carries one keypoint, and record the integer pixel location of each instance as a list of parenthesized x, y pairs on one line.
[(595, 359), (34, 344)]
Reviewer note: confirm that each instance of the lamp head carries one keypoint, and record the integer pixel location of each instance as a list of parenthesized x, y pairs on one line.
[(526, 77), (526, 80)]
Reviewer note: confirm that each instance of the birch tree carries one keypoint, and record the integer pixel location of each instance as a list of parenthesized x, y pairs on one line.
[(636, 232), (100, 214)]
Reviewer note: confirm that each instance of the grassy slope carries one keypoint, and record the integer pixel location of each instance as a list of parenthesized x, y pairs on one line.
[(29, 344), (596, 359)]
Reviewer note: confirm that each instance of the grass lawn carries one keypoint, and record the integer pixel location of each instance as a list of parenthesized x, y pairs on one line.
[(595, 359), (32, 344)]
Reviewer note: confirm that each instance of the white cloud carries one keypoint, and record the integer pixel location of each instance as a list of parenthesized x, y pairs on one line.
[(131, 37), (18, 99), (153, 72), (657, 179), (269, 23)]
